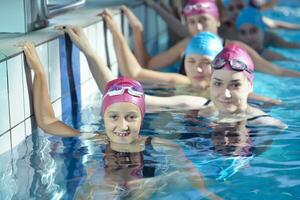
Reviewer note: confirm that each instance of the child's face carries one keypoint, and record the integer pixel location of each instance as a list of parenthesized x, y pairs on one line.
[(252, 36), (202, 22), (122, 122), (198, 70), (229, 91)]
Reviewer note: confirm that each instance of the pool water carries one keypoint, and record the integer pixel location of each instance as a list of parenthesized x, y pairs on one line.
[(235, 162)]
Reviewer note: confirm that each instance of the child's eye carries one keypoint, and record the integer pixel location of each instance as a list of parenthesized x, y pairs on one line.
[(217, 83), (236, 85), (191, 61), (113, 117), (132, 117), (192, 22)]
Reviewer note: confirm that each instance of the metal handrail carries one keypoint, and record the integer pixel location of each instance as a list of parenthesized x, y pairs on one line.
[(55, 9)]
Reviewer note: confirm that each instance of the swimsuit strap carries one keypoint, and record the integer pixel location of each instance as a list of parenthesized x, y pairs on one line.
[(256, 117)]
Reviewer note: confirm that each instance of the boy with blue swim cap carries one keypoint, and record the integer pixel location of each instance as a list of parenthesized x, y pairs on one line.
[(251, 30)]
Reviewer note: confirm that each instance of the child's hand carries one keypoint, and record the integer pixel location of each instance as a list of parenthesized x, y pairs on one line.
[(134, 22), (109, 20), (32, 57), (77, 36)]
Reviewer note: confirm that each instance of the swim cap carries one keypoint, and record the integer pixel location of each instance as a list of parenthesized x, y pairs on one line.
[(204, 43), (250, 16), (123, 89), (235, 52), (194, 7)]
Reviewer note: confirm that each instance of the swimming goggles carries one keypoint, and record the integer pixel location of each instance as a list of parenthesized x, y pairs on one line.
[(236, 65), (195, 7), (120, 89)]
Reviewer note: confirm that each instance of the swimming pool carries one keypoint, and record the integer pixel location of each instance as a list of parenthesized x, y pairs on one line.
[(267, 168)]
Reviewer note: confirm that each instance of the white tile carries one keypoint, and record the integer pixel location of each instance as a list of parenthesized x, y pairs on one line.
[(91, 33), (57, 107), (4, 114), (27, 88), (111, 50), (114, 69), (18, 134), (15, 85), (54, 69), (101, 42), (42, 51), (87, 89), (5, 143), (29, 125), (85, 72)]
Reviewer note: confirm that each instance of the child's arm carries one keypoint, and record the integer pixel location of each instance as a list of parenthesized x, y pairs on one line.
[(164, 59), (181, 102), (271, 23), (173, 23), (99, 70), (280, 42), (128, 63), (264, 99), (263, 65), (43, 110)]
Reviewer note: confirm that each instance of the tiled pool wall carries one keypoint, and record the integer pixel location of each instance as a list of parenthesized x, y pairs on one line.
[(69, 79)]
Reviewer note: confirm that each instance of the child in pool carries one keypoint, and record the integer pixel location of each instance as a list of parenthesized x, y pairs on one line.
[(231, 10), (201, 50), (231, 84), (123, 109), (199, 18), (251, 30)]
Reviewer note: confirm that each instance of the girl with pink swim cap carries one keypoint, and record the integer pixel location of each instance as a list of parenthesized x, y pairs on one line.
[(123, 109)]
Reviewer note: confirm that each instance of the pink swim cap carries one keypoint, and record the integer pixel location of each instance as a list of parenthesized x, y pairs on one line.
[(123, 89), (194, 7), (234, 58)]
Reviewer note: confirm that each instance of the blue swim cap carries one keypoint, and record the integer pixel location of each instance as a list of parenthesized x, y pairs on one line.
[(251, 16), (204, 43)]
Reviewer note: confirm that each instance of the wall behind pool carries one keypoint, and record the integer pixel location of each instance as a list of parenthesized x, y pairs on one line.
[(69, 79)]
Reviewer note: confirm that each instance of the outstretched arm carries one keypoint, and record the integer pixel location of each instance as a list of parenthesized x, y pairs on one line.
[(43, 110), (271, 23), (264, 99), (128, 63), (173, 23), (263, 65), (280, 42), (181, 102), (99, 70), (161, 60)]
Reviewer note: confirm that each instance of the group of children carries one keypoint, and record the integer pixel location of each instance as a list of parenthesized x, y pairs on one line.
[(219, 70)]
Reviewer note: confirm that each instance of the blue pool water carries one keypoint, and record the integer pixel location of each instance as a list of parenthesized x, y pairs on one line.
[(263, 165)]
